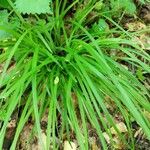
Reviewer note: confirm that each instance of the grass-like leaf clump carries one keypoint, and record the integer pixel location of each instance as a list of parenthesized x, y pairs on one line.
[(62, 63)]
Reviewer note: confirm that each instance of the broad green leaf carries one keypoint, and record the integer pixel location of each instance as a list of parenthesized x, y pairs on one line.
[(7, 24), (103, 26), (99, 5), (3, 23), (4, 3), (130, 7), (34, 6), (100, 27)]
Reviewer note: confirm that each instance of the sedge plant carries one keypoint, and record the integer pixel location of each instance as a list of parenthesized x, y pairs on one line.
[(57, 63)]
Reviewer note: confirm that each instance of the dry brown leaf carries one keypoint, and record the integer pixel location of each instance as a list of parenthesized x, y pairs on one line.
[(110, 104), (43, 138), (121, 127), (38, 145), (143, 41), (1, 67), (147, 17), (94, 146), (35, 147), (107, 138), (135, 26), (25, 141), (12, 123), (138, 133), (92, 142), (118, 143), (75, 99), (69, 145)]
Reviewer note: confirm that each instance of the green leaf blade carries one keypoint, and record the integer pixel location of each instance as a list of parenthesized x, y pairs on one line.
[(33, 7)]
